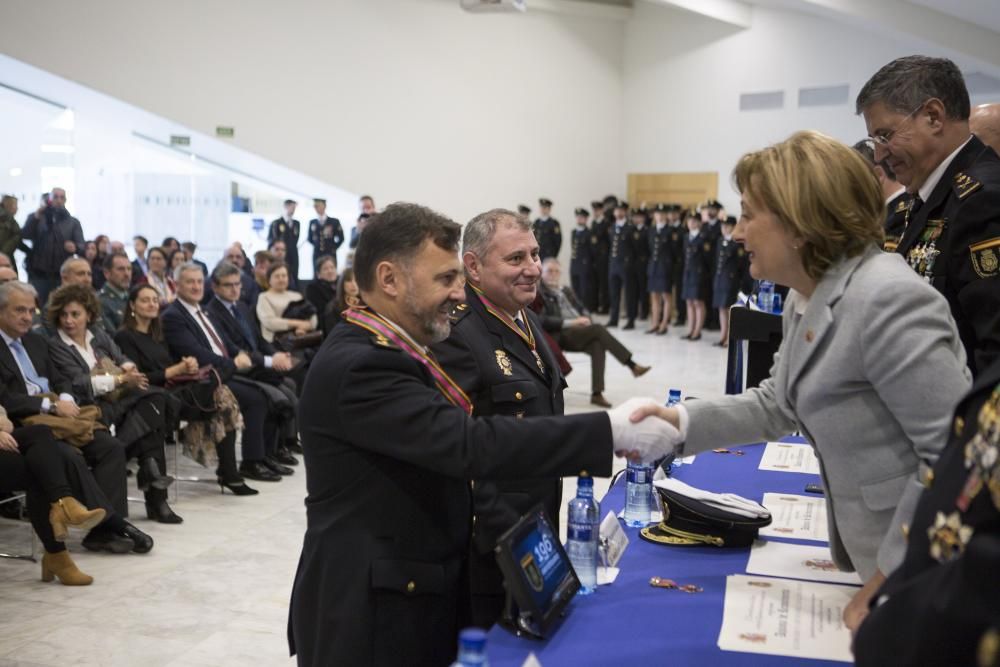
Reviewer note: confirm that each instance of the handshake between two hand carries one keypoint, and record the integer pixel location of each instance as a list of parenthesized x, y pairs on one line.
[(641, 430)]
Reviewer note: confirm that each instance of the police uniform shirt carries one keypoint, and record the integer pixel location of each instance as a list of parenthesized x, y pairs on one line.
[(952, 239)]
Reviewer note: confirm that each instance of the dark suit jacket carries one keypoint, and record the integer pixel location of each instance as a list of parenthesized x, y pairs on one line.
[(224, 321), (185, 339), (497, 370), (389, 509), (964, 212), (150, 357), (75, 368), (945, 601), (19, 405)]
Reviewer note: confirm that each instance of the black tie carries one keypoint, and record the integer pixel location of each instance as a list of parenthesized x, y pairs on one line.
[(522, 326), (915, 205)]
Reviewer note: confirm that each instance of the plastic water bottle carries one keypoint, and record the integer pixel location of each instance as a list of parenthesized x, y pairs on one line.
[(776, 304), (638, 494), (471, 648), (583, 533), (669, 462), (765, 296)]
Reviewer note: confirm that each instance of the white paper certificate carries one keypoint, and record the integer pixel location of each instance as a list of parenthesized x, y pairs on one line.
[(798, 517), (797, 561), (786, 617), (789, 457)]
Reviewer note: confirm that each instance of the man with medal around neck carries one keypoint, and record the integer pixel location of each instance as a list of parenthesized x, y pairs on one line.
[(390, 445), (498, 355)]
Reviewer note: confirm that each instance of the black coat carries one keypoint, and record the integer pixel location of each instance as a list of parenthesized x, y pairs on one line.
[(732, 273), (389, 509), (325, 238), (495, 367), (151, 357), (698, 263), (583, 251), (622, 244), (185, 339), (959, 226), (16, 399), (549, 236), (895, 220), (940, 603)]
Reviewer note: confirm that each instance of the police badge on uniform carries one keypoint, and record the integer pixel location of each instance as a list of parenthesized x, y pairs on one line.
[(985, 260), (503, 361), (948, 536)]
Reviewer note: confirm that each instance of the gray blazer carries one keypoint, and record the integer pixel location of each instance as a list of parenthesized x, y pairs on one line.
[(869, 372)]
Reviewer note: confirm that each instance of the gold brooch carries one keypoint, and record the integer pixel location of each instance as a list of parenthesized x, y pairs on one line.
[(503, 361)]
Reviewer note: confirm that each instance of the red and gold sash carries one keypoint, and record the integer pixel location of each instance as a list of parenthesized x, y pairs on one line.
[(526, 334), (371, 321)]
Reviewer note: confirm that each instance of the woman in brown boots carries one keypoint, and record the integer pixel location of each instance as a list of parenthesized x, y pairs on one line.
[(31, 460)]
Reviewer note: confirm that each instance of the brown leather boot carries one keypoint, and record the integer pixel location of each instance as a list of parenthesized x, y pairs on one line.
[(68, 511), (61, 565)]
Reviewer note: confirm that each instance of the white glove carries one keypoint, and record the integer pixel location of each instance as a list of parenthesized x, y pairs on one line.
[(652, 438)]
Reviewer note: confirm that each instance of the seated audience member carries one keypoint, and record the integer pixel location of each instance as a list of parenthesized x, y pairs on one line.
[(945, 593), (175, 259), (6, 263), (94, 259), (32, 385), (139, 266), (697, 284), (75, 271), (277, 373), (189, 333), (348, 296), (31, 460), (114, 295), (116, 247), (100, 374), (279, 250), (170, 245), (159, 278), (7, 274), (732, 274), (249, 289), (323, 288), (984, 122), (273, 304), (189, 248), (868, 351), (210, 433), (566, 318), (262, 260)]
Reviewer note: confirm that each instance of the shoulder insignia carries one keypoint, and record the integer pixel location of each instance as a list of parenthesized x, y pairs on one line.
[(965, 185), (458, 312), (555, 226), (708, 246), (593, 239), (890, 244), (740, 252), (985, 260), (378, 340), (636, 236), (902, 206)]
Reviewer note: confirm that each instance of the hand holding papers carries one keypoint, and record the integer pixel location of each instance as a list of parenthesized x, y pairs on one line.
[(645, 441)]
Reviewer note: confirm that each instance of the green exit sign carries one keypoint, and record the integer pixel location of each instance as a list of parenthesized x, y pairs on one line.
[(223, 131)]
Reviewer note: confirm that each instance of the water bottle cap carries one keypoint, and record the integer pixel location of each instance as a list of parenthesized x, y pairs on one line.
[(472, 638), (585, 480)]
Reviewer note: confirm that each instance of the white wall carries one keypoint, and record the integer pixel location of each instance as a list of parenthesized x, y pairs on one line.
[(683, 75), (403, 99)]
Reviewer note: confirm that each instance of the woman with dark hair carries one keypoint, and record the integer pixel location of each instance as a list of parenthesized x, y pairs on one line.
[(102, 375), (158, 276), (175, 259), (209, 434), (347, 296), (94, 258), (323, 289)]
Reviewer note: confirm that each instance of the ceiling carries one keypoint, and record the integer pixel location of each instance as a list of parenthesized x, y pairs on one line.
[(985, 13)]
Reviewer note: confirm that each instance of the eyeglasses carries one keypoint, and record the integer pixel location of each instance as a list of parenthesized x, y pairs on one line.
[(884, 138), (230, 285)]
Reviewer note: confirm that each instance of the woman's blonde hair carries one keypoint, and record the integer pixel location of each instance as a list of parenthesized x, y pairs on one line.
[(822, 191)]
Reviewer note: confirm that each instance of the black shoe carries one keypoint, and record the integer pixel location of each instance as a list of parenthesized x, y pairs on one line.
[(629, 326), (239, 488), (143, 542), (274, 466), (161, 512), (295, 448), (612, 324), (100, 539), (282, 455), (149, 476), (258, 471)]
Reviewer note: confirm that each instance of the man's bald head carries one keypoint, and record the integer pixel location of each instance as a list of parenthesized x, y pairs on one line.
[(985, 124), (7, 274)]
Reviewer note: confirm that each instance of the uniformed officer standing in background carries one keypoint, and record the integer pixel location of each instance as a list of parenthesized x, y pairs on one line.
[(547, 231), (660, 272), (916, 110), (498, 356), (640, 240), (732, 274), (712, 232), (599, 225), (287, 228), (583, 248), (677, 235), (620, 274), (325, 234)]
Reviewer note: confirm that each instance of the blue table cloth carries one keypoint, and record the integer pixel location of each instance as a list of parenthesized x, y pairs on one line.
[(631, 623)]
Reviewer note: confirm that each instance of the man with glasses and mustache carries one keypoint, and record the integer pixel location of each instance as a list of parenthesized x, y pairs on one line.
[(498, 355), (917, 110), (391, 442)]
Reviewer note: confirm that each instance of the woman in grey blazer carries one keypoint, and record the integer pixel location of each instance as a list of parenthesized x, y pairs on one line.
[(870, 366)]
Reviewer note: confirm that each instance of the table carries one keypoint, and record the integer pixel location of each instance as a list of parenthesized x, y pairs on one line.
[(631, 621)]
